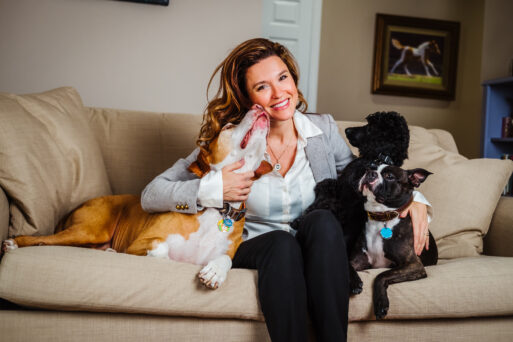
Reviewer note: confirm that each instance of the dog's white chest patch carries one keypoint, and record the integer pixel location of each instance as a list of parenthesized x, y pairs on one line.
[(206, 244), (374, 240)]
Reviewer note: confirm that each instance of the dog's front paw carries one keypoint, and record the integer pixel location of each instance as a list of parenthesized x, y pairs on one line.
[(381, 305), (214, 274), (355, 282), (9, 245)]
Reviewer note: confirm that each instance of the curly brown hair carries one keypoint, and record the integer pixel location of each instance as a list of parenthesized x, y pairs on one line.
[(231, 101)]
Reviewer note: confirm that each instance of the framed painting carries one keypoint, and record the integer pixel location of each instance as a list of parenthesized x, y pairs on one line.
[(415, 57)]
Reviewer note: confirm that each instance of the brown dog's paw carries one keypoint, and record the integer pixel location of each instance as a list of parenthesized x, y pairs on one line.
[(215, 272), (209, 279), (208, 283), (8, 245)]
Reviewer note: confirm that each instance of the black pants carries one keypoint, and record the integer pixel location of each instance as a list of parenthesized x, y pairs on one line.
[(297, 276)]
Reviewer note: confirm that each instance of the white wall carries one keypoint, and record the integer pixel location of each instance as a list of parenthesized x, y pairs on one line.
[(121, 54)]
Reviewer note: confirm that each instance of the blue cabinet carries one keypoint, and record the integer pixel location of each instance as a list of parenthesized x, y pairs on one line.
[(497, 103)]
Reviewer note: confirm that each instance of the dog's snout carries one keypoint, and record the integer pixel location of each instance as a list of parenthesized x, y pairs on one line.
[(371, 175), (355, 135)]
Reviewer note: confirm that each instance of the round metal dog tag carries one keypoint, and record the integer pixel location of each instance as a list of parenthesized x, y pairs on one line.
[(386, 233)]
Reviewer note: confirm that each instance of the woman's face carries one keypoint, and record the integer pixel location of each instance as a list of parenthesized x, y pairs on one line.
[(270, 84)]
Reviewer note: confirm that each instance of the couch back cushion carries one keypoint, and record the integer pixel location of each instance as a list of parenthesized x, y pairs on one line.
[(50, 161), (137, 146), (463, 192)]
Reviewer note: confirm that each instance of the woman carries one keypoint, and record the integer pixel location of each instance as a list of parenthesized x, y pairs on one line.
[(298, 274)]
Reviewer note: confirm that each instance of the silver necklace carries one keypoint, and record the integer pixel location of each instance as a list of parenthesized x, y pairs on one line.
[(277, 166)]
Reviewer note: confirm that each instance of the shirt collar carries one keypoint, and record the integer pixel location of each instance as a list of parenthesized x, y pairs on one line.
[(305, 127)]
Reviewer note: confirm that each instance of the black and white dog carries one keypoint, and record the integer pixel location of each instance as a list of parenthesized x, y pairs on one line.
[(388, 239), (384, 139)]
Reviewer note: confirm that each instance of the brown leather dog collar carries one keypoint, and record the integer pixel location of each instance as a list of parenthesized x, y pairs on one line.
[(231, 212), (388, 215)]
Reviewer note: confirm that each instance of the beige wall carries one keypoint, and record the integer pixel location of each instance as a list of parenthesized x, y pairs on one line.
[(497, 39), (120, 54), (345, 73), (136, 56)]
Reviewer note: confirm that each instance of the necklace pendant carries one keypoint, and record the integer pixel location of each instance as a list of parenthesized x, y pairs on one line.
[(277, 166)]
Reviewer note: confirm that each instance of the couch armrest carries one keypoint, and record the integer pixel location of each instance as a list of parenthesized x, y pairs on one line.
[(499, 239), (4, 215)]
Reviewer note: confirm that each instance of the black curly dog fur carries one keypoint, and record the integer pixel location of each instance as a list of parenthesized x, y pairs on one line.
[(384, 140)]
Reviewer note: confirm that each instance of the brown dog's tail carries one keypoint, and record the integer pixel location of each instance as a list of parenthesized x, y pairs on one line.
[(397, 44)]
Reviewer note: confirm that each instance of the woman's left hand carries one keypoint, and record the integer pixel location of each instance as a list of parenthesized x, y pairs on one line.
[(419, 220)]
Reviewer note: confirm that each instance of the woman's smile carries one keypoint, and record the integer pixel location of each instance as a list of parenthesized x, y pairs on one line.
[(281, 105)]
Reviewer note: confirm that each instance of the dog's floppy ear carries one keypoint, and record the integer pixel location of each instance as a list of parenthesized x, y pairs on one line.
[(417, 176), (265, 167), (200, 167)]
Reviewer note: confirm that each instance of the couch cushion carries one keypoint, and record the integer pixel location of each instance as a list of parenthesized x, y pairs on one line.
[(462, 287), (71, 278), (79, 279), (50, 161), (464, 193), (156, 141)]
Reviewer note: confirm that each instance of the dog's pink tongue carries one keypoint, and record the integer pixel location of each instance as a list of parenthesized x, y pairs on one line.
[(245, 140)]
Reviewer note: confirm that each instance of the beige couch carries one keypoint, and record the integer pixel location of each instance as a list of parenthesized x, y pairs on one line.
[(55, 153)]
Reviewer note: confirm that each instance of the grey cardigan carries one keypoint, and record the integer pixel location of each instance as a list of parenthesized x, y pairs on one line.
[(176, 189)]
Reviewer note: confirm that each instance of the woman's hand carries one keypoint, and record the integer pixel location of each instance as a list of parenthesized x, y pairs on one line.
[(236, 186), (419, 220)]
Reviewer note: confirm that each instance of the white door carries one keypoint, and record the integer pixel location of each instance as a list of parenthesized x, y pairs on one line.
[(297, 25)]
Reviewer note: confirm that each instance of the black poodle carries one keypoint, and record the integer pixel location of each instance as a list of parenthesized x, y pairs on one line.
[(384, 140)]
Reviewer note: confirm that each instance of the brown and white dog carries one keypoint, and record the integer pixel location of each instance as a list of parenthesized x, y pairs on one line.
[(210, 237)]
